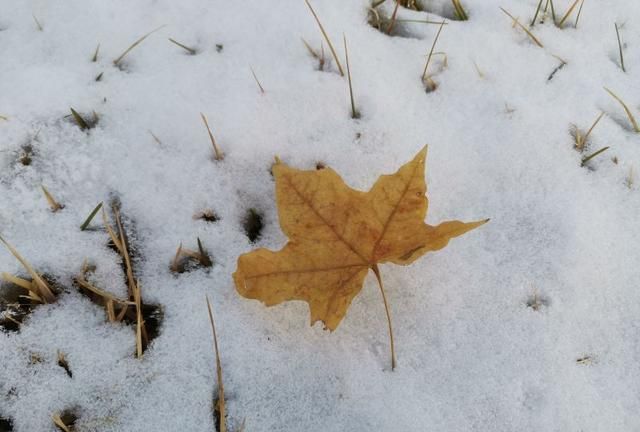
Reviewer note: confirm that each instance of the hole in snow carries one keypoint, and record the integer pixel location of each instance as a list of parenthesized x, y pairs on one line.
[(382, 20), (253, 224), (15, 305), (68, 418), (454, 10), (207, 215), (6, 424)]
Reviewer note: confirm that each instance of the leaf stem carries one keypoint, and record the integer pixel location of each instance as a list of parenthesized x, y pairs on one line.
[(376, 271)]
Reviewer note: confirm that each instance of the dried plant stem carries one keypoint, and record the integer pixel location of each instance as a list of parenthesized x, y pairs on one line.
[(184, 47), (112, 234), (257, 80), (632, 119), (95, 54), (354, 112), (132, 285), (37, 22), (535, 16), (568, 13), (578, 15), (526, 30), (591, 156), (218, 154), (435, 40), (326, 37), (133, 45), (221, 401), (55, 205), (460, 13), (392, 22), (420, 21), (139, 321), (376, 271), (155, 138), (593, 125), (620, 48)]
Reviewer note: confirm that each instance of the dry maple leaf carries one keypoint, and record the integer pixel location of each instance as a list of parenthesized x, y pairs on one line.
[(337, 234)]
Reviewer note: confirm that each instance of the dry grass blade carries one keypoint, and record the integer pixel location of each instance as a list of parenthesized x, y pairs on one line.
[(591, 156), (581, 141), (620, 48), (459, 11), (155, 138), (568, 13), (218, 154), (320, 57), (354, 112), (221, 403), (175, 264), (5, 118), (133, 45), (139, 321), (37, 22), (132, 285), (392, 22), (578, 16), (55, 205), (88, 220), (535, 16), (80, 280), (184, 47), (420, 21), (81, 122), (57, 420), (326, 37), (257, 81), (43, 288), (435, 40), (114, 238), (203, 256), (526, 30), (95, 54), (632, 119)]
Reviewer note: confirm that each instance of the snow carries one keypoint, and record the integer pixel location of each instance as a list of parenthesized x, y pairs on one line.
[(471, 354)]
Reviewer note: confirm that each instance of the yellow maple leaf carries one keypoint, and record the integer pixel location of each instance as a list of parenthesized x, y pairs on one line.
[(337, 234)]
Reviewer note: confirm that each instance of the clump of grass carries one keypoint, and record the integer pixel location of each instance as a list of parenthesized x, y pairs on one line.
[(189, 50), (38, 289), (319, 56), (517, 23), (118, 60), (218, 155), (354, 112), (53, 204), (392, 25), (537, 302), (581, 139), (219, 406), (146, 317), (632, 119), (187, 259), (326, 38), (426, 79)]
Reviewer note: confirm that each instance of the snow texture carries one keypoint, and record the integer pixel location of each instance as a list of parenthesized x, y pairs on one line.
[(472, 356)]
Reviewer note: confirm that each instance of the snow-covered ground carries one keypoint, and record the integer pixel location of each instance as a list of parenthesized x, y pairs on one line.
[(530, 323)]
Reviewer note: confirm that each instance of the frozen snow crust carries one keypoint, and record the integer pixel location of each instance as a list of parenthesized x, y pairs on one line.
[(529, 323)]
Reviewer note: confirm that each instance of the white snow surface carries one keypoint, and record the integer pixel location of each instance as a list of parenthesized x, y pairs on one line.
[(471, 355)]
